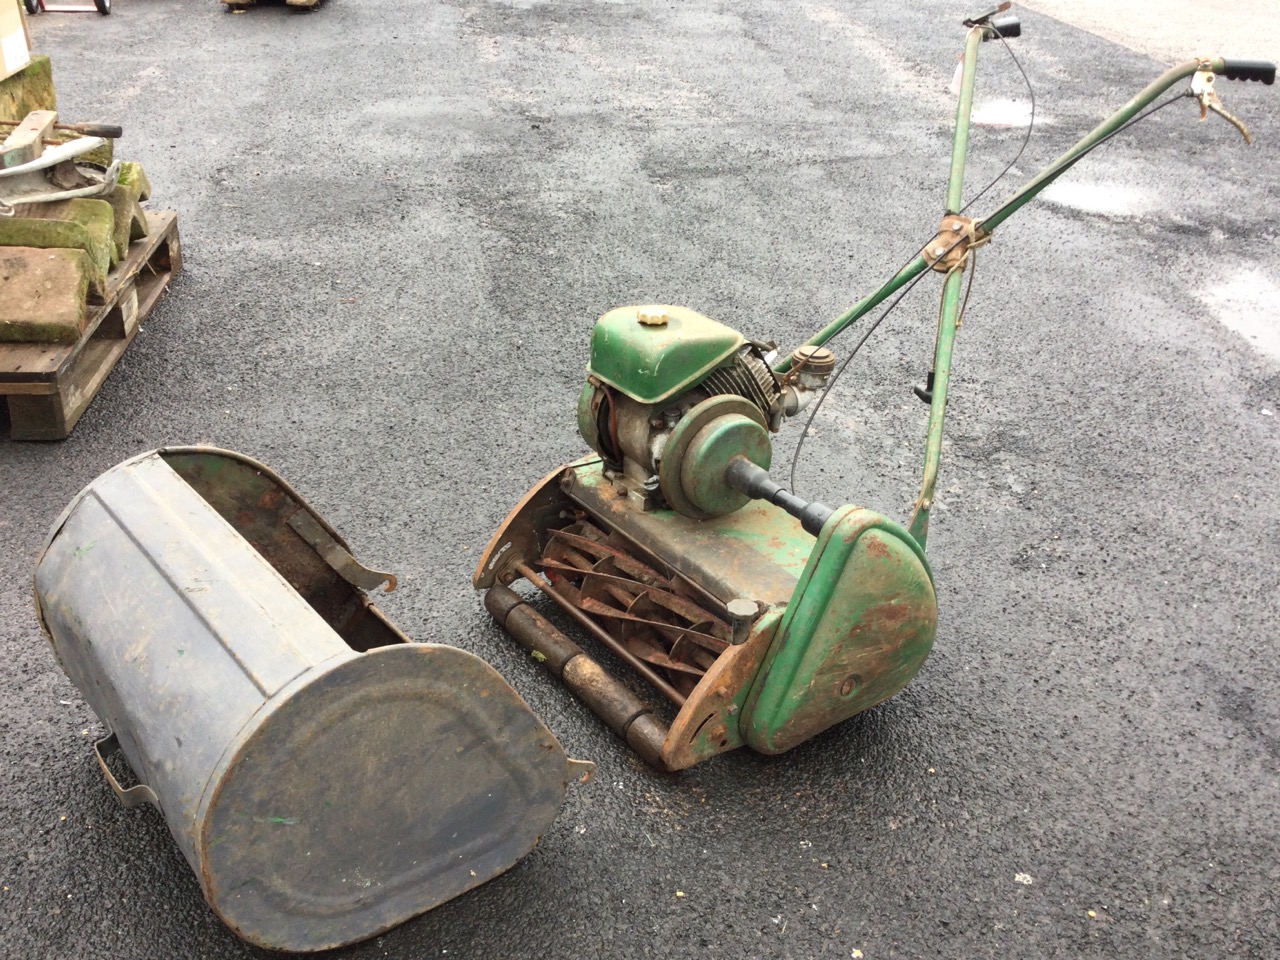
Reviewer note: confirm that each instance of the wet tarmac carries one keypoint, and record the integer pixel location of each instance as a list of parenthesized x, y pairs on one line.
[(399, 222)]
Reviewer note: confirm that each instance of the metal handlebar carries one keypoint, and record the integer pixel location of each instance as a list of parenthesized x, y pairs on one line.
[(963, 234)]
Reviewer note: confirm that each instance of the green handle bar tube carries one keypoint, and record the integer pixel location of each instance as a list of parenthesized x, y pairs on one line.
[(919, 526), (952, 287)]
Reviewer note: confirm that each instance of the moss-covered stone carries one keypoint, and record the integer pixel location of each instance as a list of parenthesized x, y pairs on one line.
[(132, 175), (44, 294), (130, 220), (82, 224), (31, 88), (96, 216), (46, 234)]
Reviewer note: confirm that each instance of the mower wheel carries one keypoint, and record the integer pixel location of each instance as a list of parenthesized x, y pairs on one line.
[(104, 6), (33, 7)]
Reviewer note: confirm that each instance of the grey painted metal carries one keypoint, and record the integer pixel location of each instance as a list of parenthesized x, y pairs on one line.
[(36, 188), (55, 155), (320, 794)]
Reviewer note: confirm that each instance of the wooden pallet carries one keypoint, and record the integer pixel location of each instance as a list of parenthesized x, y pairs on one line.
[(49, 385)]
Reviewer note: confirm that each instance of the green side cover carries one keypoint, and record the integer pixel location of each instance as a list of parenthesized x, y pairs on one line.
[(652, 363), (857, 630)]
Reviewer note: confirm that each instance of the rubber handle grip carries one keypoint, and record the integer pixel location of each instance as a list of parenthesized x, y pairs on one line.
[(111, 131), (1263, 70), (999, 25), (1007, 25)]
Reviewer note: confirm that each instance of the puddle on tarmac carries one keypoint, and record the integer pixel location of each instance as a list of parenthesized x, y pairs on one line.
[(1105, 199), (1246, 302), (1004, 113)]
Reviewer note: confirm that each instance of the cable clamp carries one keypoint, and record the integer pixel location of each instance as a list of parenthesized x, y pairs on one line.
[(949, 249)]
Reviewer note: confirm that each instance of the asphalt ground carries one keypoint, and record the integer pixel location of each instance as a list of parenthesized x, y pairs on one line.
[(399, 222)]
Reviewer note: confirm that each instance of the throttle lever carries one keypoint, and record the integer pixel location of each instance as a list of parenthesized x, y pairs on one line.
[(1202, 89), (984, 17), (999, 23)]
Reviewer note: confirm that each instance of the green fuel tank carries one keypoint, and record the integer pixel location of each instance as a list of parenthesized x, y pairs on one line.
[(653, 352)]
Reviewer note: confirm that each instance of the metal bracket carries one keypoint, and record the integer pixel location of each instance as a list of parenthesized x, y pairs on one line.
[(335, 555), (135, 795)]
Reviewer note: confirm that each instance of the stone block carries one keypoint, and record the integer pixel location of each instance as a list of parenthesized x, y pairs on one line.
[(43, 294), (82, 224)]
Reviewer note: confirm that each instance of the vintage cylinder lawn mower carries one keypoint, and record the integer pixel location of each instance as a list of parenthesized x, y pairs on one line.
[(763, 618)]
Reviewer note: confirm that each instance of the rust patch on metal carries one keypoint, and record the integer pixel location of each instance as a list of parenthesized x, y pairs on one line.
[(876, 548), (889, 614), (643, 608), (708, 724), (957, 235), (270, 499), (520, 538)]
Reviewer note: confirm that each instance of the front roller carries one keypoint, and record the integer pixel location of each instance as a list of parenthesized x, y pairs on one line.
[(625, 713)]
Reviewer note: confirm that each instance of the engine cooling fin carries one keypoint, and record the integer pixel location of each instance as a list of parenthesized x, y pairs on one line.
[(748, 377)]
